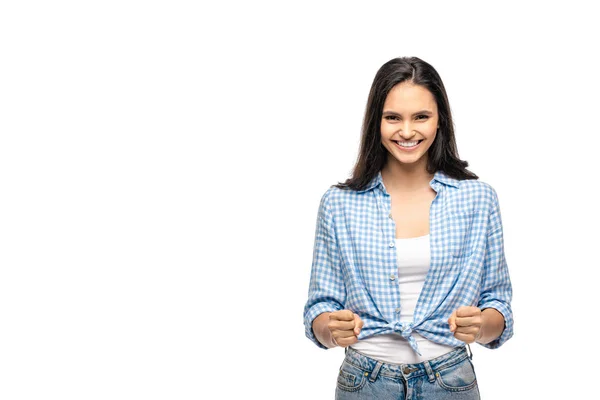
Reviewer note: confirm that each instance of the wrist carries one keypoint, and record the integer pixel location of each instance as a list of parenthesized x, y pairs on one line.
[(482, 329), (322, 332), (492, 325)]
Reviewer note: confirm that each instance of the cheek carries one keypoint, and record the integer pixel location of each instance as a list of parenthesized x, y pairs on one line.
[(386, 130), (431, 131)]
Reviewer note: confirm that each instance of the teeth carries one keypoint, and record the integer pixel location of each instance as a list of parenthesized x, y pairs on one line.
[(408, 144)]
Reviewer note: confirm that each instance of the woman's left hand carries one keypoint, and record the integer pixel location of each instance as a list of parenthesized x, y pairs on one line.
[(466, 323)]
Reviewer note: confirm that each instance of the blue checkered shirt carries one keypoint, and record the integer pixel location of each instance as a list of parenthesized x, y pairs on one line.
[(354, 263)]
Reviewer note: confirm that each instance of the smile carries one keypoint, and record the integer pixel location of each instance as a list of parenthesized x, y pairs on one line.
[(413, 145)]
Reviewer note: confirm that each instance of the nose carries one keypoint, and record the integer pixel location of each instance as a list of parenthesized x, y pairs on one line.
[(407, 132)]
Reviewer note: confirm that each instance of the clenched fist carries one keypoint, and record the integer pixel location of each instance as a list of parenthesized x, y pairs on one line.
[(344, 326), (466, 322)]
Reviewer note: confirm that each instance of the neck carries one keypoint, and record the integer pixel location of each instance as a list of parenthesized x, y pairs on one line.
[(405, 177)]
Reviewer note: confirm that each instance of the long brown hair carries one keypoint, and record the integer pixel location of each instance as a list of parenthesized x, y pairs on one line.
[(442, 155)]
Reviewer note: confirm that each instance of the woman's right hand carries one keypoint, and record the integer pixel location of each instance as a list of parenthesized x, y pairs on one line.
[(344, 326)]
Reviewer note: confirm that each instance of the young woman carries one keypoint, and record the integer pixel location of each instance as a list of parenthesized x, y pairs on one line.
[(408, 264)]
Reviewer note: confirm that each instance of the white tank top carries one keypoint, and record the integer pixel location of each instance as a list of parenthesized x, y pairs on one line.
[(413, 264)]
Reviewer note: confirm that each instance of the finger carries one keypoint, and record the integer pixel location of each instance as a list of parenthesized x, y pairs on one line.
[(342, 315), (468, 321), (345, 342), (467, 330), (361, 325), (333, 325), (343, 334), (339, 340), (464, 337), (334, 341), (467, 311), (358, 324), (452, 321), (451, 317)]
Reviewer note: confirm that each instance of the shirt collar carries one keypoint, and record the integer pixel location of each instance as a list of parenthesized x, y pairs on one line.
[(439, 176)]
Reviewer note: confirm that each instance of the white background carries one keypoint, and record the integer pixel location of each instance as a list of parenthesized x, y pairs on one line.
[(161, 166)]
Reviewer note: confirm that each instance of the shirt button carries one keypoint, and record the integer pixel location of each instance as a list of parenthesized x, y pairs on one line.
[(392, 244), (398, 310), (392, 277), (390, 215)]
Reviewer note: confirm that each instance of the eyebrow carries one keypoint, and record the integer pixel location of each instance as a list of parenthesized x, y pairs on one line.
[(418, 112)]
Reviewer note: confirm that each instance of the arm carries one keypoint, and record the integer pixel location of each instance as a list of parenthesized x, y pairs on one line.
[(327, 291), (496, 291)]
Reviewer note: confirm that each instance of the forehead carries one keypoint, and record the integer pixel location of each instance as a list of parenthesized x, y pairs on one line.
[(408, 96)]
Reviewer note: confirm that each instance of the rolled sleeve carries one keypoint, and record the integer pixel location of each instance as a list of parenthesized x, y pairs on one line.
[(327, 292), (496, 285)]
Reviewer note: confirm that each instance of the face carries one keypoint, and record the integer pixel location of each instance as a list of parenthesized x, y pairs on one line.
[(410, 117)]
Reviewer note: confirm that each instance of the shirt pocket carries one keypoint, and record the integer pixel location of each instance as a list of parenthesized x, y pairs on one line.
[(458, 234)]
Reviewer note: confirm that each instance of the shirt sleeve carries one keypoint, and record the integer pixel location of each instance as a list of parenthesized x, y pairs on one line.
[(496, 285), (327, 291)]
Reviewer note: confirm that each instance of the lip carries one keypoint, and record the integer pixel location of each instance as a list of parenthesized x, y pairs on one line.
[(409, 149)]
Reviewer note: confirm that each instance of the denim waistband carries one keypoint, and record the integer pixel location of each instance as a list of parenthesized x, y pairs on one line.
[(407, 371)]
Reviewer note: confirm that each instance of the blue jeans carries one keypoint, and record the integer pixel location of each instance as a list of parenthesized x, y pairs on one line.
[(449, 376)]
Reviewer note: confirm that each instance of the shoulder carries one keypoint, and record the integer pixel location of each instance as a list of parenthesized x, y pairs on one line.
[(325, 204), (335, 199), (482, 195)]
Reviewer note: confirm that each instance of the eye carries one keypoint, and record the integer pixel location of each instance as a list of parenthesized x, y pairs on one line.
[(424, 116), (391, 117)]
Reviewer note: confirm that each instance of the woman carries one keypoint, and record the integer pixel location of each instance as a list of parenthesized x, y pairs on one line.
[(408, 264)]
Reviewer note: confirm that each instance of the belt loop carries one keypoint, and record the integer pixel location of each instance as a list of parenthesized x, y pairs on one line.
[(470, 352), (429, 370), (346, 350), (375, 372)]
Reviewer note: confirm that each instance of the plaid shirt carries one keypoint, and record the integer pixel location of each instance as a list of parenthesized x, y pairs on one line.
[(354, 261)]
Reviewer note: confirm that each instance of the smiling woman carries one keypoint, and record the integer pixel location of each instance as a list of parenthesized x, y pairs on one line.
[(408, 264)]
